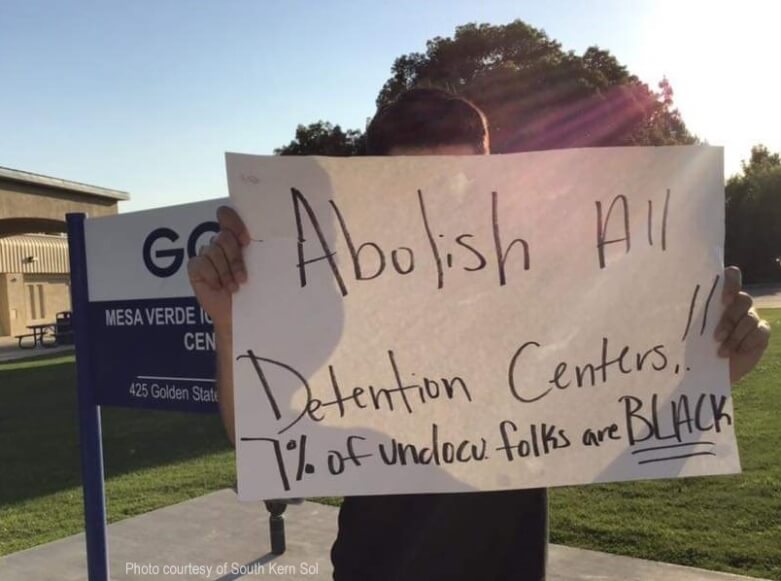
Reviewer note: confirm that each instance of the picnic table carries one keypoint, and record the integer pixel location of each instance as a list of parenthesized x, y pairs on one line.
[(60, 332), (37, 333)]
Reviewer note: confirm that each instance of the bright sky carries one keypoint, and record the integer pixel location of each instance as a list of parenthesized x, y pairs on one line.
[(145, 96)]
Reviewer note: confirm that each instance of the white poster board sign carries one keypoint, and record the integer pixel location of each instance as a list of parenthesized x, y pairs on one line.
[(442, 324)]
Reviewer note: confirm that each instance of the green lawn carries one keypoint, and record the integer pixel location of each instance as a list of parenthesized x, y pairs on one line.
[(727, 523), (154, 459)]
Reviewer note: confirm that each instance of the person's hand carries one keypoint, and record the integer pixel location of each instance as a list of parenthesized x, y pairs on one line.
[(218, 270), (742, 334)]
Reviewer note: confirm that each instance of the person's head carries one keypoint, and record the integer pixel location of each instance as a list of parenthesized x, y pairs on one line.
[(428, 122)]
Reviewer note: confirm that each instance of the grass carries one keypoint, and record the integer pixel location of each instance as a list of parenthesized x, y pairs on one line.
[(154, 459), (726, 523)]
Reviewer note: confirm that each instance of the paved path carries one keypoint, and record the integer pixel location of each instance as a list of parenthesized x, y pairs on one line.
[(766, 296), (216, 530), (10, 351)]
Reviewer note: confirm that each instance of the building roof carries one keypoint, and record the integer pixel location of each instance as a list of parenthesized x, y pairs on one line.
[(34, 253), (42, 180)]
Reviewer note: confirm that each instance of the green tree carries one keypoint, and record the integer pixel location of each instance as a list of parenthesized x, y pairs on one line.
[(753, 217), (537, 96), (323, 138)]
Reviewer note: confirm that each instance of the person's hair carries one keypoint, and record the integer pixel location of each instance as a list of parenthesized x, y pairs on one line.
[(427, 118)]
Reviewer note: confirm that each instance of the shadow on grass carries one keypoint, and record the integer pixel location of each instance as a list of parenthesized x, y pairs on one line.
[(39, 439)]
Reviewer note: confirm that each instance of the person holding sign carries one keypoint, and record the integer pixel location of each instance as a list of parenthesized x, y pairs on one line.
[(475, 535)]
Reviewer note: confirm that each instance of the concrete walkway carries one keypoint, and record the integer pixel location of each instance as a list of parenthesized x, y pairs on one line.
[(218, 538), (10, 351), (766, 296)]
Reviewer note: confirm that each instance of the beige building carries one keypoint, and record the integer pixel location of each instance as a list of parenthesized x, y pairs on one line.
[(34, 273)]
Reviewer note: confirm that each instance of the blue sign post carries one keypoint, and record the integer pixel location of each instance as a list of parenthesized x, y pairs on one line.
[(141, 338), (90, 441)]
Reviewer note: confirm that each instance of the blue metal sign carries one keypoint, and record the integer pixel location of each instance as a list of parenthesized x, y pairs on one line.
[(152, 345), (141, 338), (154, 354)]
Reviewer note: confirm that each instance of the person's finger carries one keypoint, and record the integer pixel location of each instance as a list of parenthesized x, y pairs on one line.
[(733, 284), (742, 329), (229, 219), (742, 304), (732, 314), (758, 339), (230, 246), (201, 269), (216, 255)]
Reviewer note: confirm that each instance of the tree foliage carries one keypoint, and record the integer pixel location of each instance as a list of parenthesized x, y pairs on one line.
[(753, 217), (323, 138), (535, 95), (538, 96)]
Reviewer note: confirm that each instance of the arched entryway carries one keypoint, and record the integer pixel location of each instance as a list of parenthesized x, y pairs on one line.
[(34, 273)]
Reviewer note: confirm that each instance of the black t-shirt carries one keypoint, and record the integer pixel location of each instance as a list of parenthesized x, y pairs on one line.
[(461, 536)]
